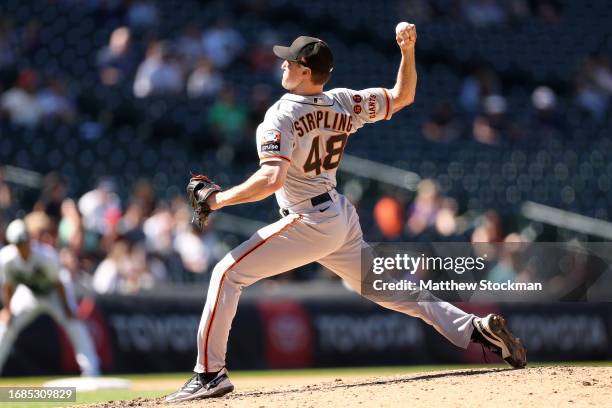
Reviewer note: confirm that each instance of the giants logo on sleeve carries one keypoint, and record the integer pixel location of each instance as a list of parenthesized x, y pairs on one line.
[(270, 141), (372, 106)]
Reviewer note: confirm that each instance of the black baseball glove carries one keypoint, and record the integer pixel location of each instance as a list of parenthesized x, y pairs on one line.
[(199, 189)]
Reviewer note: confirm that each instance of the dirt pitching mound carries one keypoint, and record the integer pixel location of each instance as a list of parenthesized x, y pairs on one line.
[(537, 387)]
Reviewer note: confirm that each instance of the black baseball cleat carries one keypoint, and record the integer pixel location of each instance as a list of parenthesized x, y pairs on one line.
[(203, 386), (492, 332)]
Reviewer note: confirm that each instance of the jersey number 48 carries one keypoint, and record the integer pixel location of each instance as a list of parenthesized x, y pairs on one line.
[(333, 148)]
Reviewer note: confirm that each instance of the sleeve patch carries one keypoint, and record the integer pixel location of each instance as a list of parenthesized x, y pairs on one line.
[(270, 141)]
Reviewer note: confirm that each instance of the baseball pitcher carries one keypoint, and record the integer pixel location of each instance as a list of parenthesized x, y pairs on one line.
[(300, 145), (31, 286)]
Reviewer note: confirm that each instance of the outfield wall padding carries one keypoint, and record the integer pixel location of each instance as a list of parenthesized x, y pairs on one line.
[(157, 333)]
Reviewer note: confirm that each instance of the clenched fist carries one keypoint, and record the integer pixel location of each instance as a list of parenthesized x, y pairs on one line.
[(405, 35)]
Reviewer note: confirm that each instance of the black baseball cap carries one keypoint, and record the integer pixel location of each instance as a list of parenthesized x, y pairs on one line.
[(308, 51)]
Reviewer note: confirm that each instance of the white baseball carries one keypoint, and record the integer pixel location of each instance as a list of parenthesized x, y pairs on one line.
[(401, 26)]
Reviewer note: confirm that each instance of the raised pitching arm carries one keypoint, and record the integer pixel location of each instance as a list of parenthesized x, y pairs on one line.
[(404, 90)]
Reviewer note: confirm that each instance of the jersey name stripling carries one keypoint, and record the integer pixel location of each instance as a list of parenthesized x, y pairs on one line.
[(323, 120)]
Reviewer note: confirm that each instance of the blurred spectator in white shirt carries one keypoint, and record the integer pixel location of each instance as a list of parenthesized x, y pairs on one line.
[(198, 250), (72, 270), (20, 102), (95, 205), (127, 269), (195, 253), (159, 232), (204, 80), (158, 73), (111, 272)]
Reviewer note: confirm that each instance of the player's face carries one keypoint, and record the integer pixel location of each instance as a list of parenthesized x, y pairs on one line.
[(293, 74)]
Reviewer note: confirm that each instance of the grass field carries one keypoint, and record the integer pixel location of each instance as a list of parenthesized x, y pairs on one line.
[(155, 385)]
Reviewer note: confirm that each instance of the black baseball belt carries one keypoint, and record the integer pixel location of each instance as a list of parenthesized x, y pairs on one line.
[(320, 199)]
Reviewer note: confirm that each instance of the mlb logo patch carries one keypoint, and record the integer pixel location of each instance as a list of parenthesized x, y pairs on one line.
[(270, 141)]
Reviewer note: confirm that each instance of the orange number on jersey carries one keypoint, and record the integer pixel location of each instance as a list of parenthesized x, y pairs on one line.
[(334, 147)]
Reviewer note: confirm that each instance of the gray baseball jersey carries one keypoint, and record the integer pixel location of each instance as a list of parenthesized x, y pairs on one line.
[(311, 133)]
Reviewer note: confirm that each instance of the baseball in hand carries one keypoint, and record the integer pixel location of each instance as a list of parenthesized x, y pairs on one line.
[(405, 34), (401, 26)]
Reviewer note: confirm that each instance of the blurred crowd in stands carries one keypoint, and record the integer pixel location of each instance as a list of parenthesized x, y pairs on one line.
[(430, 216), (191, 61), (201, 74), (112, 246), (483, 13)]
